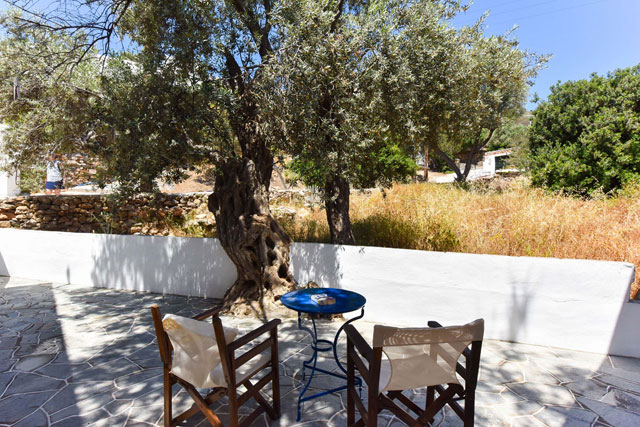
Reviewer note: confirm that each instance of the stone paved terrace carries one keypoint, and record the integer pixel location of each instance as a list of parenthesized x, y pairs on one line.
[(83, 356)]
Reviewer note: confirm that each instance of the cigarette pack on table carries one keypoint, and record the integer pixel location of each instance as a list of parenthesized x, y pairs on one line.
[(323, 299)]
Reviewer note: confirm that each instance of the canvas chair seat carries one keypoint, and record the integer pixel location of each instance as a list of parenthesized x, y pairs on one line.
[(412, 382), (405, 366)]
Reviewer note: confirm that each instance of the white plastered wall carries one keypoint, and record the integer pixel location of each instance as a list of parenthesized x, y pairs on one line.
[(575, 304)]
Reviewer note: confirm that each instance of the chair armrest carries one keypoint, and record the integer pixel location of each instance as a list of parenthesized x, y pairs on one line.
[(208, 313), (250, 336), (359, 343)]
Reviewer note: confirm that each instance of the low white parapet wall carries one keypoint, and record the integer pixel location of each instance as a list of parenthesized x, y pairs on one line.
[(173, 265), (575, 304)]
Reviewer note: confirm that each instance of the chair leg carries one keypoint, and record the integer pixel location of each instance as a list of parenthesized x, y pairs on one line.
[(443, 398), (351, 384), (233, 408), (275, 368), (204, 406), (168, 395), (469, 409), (372, 411), (431, 392)]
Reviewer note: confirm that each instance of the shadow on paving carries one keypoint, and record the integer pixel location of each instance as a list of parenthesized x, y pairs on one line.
[(71, 356)]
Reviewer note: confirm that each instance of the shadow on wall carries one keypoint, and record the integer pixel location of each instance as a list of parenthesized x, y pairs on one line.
[(522, 294), (182, 266), (316, 262), (4, 271), (625, 335)]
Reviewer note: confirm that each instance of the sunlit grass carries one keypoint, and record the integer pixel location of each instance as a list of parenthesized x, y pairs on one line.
[(519, 221)]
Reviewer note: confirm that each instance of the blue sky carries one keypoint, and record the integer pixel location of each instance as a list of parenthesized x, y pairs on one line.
[(584, 36)]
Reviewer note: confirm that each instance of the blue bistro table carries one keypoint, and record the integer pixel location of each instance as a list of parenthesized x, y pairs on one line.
[(301, 301)]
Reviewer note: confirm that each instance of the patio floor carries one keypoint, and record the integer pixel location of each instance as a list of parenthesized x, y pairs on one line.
[(84, 356)]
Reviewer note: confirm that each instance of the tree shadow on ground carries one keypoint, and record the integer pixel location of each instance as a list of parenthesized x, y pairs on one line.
[(80, 355), (33, 365)]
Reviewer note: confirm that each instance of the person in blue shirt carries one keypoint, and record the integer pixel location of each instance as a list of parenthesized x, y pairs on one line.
[(54, 175)]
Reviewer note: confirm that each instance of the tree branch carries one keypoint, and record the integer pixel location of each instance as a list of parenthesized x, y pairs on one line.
[(99, 28), (338, 15), (259, 34), (477, 145), (235, 73), (449, 161)]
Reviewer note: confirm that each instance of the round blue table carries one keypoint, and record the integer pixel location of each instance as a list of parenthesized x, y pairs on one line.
[(301, 301)]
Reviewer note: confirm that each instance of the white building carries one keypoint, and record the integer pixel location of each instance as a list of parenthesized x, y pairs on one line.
[(497, 161), (9, 184)]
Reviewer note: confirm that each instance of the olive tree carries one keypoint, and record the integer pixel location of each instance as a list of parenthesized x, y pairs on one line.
[(44, 112), (459, 87), (327, 100), (181, 91)]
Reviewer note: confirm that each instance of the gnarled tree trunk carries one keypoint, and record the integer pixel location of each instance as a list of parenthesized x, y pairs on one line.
[(253, 239), (336, 192)]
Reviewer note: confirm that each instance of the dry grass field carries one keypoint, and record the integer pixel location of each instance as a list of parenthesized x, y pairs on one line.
[(514, 220)]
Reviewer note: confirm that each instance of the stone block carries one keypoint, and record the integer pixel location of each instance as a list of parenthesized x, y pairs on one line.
[(545, 394), (556, 416), (621, 399), (31, 363), (15, 408), (29, 383), (611, 414)]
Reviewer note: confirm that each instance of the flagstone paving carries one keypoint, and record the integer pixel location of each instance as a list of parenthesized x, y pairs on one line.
[(85, 356)]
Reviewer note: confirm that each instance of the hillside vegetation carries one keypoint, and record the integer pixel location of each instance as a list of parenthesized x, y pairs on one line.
[(517, 221)]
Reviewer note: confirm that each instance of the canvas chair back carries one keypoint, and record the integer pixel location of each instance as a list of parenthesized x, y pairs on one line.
[(195, 350), (421, 357)]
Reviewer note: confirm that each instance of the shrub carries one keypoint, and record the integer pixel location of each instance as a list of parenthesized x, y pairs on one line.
[(586, 137)]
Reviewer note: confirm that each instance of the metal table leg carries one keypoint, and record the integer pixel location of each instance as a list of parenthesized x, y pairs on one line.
[(313, 361)]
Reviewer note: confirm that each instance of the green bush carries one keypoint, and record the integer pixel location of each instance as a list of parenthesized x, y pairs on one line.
[(32, 179), (586, 138)]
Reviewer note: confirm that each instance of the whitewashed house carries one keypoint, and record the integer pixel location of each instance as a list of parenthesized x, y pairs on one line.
[(9, 183), (497, 161)]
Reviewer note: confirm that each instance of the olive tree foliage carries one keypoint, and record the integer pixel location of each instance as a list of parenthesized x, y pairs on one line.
[(457, 89), (585, 138), (44, 113), (513, 134), (327, 100), (182, 91)]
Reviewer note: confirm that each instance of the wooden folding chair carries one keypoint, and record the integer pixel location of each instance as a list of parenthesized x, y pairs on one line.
[(230, 364), (415, 358)]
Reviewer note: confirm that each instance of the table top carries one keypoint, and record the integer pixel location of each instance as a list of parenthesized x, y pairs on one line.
[(301, 301)]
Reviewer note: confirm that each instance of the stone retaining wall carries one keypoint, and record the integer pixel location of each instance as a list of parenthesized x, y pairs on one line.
[(79, 169), (144, 214), (150, 214)]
